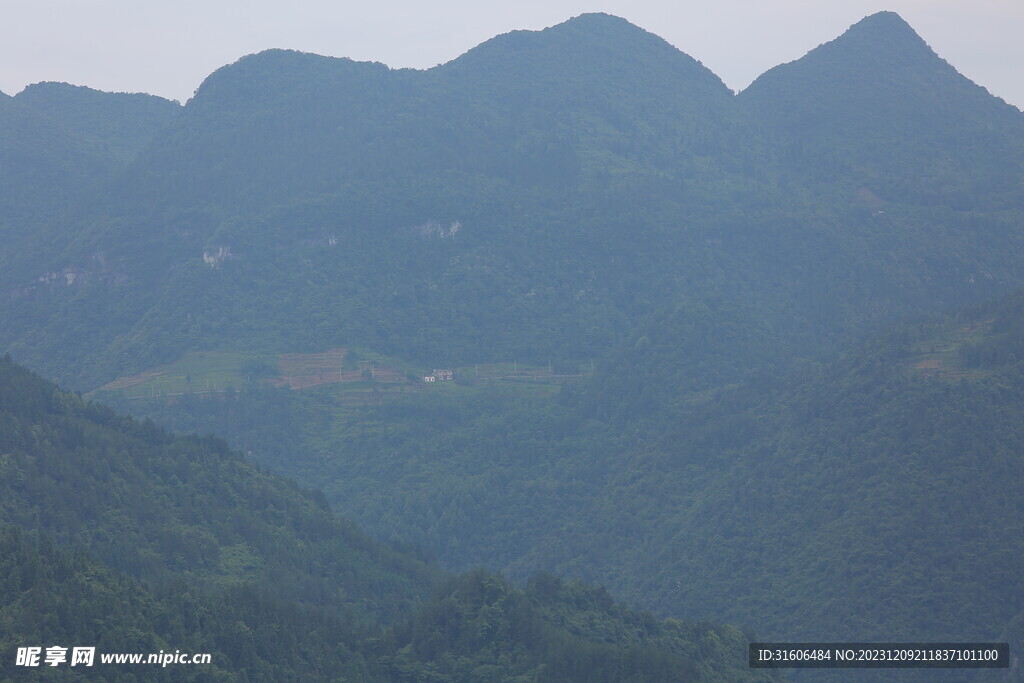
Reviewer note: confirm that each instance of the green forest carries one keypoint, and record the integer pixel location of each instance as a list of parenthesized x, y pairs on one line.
[(118, 535)]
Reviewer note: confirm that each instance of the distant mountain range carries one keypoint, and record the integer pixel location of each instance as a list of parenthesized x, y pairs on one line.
[(594, 172)]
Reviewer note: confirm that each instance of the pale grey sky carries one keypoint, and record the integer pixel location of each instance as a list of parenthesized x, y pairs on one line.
[(168, 48)]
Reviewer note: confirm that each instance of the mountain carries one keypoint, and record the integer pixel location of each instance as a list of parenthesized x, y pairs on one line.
[(855, 500), (880, 109), (157, 506), (53, 597), (284, 125), (389, 188), (59, 146), (117, 536), (480, 628), (873, 498), (46, 171), (42, 166), (613, 98), (120, 124), (583, 200), (300, 203)]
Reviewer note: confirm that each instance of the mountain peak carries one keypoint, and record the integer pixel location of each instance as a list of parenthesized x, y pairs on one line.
[(884, 35), (878, 96), (881, 50), (883, 21), (585, 26), (882, 43), (592, 21), (276, 74), (592, 45)]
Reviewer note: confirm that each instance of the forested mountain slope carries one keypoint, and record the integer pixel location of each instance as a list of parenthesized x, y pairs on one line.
[(530, 108), (55, 597), (873, 499), (121, 124), (42, 163), (154, 505), (118, 536), (44, 170), (537, 198), (431, 217), (60, 149), (860, 501), (879, 111)]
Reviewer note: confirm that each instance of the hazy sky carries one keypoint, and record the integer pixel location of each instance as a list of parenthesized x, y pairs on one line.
[(168, 48)]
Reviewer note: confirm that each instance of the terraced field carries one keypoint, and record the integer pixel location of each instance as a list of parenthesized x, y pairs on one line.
[(202, 372)]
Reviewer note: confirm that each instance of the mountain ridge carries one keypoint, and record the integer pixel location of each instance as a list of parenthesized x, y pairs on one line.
[(876, 106), (593, 38), (365, 154), (120, 124)]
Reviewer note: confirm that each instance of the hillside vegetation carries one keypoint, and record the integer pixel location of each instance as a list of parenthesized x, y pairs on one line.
[(119, 536)]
